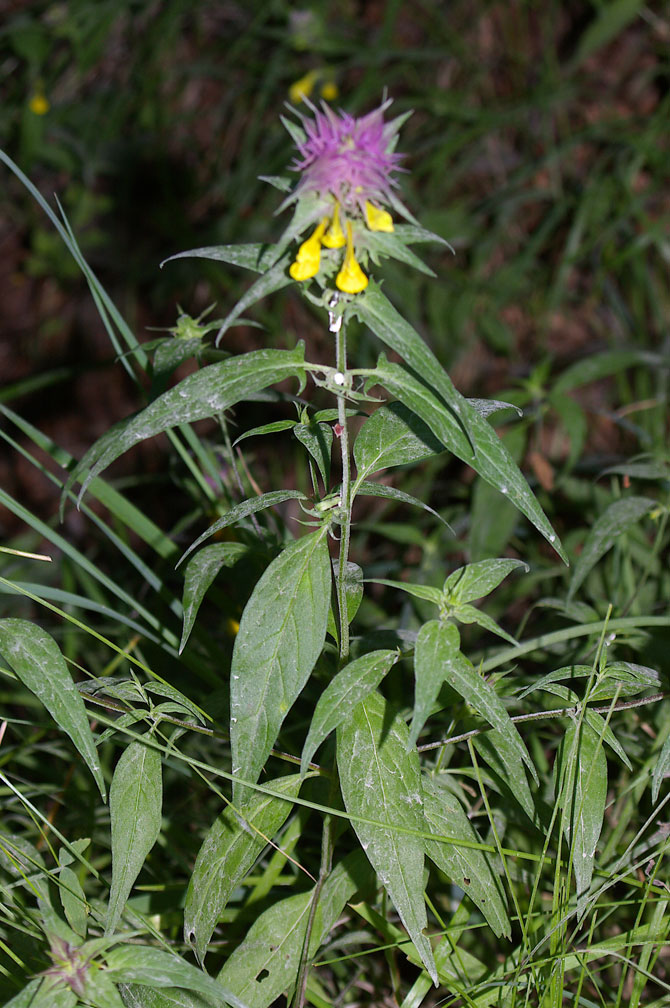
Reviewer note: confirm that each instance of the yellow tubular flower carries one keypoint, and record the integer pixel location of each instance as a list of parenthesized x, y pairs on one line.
[(376, 219), (351, 279), (334, 236), (308, 259), (39, 105)]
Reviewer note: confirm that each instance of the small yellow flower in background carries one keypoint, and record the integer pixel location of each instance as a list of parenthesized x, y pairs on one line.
[(303, 88), (232, 627), (329, 90), (39, 104)]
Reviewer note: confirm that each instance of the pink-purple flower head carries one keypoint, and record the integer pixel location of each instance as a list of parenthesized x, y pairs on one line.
[(347, 168), (351, 159)]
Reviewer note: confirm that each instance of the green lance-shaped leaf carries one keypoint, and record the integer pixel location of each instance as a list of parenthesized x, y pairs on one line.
[(478, 579), (353, 590), (381, 787), (581, 786), (617, 519), (367, 488), (504, 760), (342, 694), (661, 770), (393, 436), (229, 850), (153, 967), (266, 964), (468, 867), (36, 659), (437, 648), (135, 801), (318, 440), (475, 690), (281, 635), (43, 994), (199, 574), (243, 510), (248, 256), (452, 419), (212, 390)]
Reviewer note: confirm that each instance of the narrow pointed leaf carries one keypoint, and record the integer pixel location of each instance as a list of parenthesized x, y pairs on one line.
[(36, 659), (582, 791), (353, 588), (437, 648), (445, 410), (342, 694), (135, 802), (271, 280), (466, 681), (426, 592), (661, 770), (212, 390), (243, 510), (380, 781), (391, 493), (469, 614), (139, 996), (318, 440), (281, 635), (199, 574), (504, 760), (617, 519), (468, 867), (228, 852), (248, 256)]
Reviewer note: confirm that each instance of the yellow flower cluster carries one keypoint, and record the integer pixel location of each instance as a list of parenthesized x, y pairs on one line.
[(328, 233)]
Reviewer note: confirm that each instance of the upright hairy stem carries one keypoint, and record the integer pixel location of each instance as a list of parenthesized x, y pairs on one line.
[(345, 526), (336, 326)]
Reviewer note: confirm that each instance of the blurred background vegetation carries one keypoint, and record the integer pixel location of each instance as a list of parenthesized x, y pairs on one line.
[(538, 146)]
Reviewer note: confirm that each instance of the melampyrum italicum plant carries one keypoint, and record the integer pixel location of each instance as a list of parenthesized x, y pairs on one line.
[(303, 681)]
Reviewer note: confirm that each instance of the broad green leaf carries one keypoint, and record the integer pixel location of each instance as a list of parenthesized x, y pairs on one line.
[(135, 801), (504, 760), (380, 781), (265, 965), (243, 510), (581, 788), (353, 586), (229, 850), (199, 574), (393, 436), (101, 991), (140, 964), (391, 493), (318, 440), (342, 694), (139, 996), (480, 448), (168, 356), (281, 635), (468, 867), (43, 994), (493, 519), (661, 770), (437, 647), (36, 659), (478, 579), (212, 390), (607, 528), (475, 690)]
